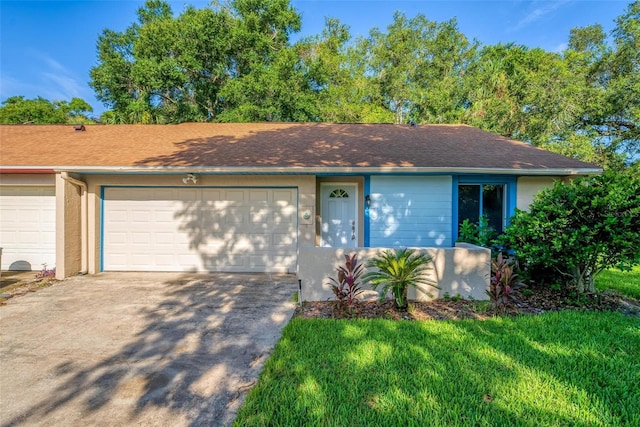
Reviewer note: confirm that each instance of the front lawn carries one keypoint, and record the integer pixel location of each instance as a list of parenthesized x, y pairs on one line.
[(562, 368), (626, 283)]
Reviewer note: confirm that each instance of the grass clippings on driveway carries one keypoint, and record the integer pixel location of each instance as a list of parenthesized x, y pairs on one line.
[(561, 368)]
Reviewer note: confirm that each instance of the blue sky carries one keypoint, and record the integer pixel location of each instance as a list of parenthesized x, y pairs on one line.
[(48, 47)]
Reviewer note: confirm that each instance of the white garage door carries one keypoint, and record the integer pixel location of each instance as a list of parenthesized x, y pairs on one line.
[(27, 227), (200, 229)]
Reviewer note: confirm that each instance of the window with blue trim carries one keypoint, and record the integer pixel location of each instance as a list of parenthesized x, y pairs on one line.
[(488, 200)]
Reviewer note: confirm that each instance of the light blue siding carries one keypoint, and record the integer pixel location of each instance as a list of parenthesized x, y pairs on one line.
[(410, 211)]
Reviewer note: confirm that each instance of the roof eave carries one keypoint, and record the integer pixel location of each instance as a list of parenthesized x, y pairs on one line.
[(294, 170), (27, 169)]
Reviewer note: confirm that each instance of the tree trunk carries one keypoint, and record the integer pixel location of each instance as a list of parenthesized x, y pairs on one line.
[(591, 284), (583, 279), (401, 298)]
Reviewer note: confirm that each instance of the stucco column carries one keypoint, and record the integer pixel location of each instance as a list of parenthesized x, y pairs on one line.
[(68, 228)]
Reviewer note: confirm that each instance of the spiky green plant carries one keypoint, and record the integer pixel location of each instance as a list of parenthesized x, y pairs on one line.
[(396, 271)]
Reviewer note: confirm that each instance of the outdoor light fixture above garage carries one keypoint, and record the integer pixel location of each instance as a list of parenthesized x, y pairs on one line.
[(190, 177)]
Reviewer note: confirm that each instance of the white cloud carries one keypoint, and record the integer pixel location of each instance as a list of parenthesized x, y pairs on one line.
[(541, 9), (560, 48), (53, 64), (47, 77), (65, 84)]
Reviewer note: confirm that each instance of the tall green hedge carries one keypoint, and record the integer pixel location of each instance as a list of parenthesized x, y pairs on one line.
[(576, 230)]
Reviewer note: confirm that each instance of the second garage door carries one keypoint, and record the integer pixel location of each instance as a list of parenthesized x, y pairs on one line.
[(28, 227), (200, 229)]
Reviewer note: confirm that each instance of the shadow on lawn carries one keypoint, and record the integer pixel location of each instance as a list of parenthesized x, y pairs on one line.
[(466, 373), (200, 350), (569, 375)]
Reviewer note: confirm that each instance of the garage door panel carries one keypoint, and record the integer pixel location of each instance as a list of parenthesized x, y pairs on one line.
[(117, 215), (283, 195), (234, 216), (27, 227), (282, 240), (260, 216), (48, 238), (200, 229), (118, 238), (141, 238), (165, 215), (29, 237), (166, 239), (141, 217), (259, 195), (234, 196)]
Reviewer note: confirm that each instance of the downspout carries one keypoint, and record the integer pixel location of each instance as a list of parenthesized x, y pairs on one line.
[(84, 238)]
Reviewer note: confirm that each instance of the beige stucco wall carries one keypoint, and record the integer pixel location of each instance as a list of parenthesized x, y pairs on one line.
[(529, 186), (68, 228), (464, 270), (27, 179), (306, 199)]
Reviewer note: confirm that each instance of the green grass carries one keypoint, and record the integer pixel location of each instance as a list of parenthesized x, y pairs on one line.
[(565, 368), (626, 283)]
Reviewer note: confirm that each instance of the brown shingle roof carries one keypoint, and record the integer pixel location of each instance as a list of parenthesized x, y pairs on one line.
[(271, 145)]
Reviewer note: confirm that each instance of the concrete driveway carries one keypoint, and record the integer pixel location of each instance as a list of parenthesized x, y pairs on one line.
[(139, 348)]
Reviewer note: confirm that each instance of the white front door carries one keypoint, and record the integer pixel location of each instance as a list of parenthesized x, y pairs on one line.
[(338, 209)]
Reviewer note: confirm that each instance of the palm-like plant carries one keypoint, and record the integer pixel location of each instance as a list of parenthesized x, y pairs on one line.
[(396, 270)]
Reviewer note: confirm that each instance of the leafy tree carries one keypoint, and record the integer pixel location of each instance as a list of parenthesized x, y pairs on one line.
[(234, 61), (267, 83), (620, 125), (441, 93), (17, 110), (336, 77), (602, 112), (581, 228), (416, 67), (523, 93), (582, 103), (495, 85), (274, 92), (225, 62)]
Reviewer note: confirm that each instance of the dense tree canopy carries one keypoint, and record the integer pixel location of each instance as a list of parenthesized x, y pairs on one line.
[(17, 110), (230, 62), (235, 61)]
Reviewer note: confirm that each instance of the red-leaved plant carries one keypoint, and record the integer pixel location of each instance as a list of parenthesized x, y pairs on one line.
[(504, 284), (346, 286)]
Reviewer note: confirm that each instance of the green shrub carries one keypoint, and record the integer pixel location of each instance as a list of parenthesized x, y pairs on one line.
[(481, 234), (579, 229), (396, 270)]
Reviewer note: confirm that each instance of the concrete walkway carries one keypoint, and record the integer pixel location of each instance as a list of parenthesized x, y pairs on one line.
[(139, 348)]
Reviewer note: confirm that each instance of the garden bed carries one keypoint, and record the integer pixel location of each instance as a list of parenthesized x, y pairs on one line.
[(537, 301)]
